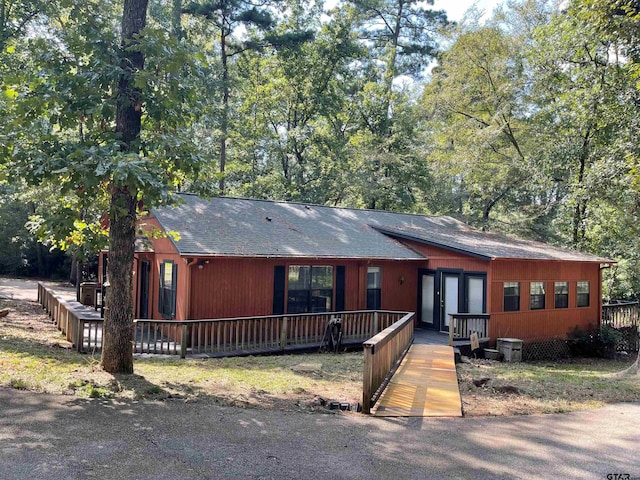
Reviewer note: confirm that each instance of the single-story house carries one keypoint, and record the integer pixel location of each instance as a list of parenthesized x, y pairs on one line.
[(232, 257)]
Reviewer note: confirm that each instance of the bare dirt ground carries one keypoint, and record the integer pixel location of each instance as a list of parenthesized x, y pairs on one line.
[(496, 388)]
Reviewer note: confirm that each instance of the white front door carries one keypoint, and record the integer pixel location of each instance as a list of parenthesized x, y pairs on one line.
[(450, 298)]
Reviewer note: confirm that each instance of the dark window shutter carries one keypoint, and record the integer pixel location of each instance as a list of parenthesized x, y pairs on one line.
[(161, 289), (278, 290), (340, 288), (174, 289)]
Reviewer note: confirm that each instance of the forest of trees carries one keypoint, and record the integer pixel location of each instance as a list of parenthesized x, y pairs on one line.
[(522, 121)]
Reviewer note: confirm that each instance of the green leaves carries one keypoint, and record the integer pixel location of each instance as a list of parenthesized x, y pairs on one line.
[(11, 93)]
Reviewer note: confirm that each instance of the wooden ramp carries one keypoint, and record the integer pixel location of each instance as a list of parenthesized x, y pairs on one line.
[(425, 385)]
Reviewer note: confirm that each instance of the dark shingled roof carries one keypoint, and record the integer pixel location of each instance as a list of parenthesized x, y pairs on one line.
[(261, 228)]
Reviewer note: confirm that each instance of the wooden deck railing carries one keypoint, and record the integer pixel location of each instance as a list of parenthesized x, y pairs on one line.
[(382, 355), (623, 316), (81, 326), (462, 325), (246, 335), (220, 337)]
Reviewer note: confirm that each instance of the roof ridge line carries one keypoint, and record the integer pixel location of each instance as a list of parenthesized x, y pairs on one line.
[(317, 205)]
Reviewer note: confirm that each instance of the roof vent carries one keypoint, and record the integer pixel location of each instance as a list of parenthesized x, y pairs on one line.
[(307, 207), (268, 219)]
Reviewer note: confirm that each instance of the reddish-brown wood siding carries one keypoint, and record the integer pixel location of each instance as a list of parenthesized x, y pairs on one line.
[(530, 324), (163, 250), (150, 226), (237, 287), (399, 285), (442, 258), (227, 287)]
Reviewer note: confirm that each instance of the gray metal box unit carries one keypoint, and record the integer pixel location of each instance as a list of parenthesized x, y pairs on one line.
[(511, 349), (88, 293)]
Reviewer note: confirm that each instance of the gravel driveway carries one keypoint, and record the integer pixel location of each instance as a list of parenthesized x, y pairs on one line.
[(22, 289), (55, 437)]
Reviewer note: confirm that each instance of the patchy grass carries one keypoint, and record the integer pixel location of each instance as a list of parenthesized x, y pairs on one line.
[(545, 387), (35, 356)]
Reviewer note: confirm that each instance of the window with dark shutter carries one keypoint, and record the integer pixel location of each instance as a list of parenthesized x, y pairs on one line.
[(168, 289)]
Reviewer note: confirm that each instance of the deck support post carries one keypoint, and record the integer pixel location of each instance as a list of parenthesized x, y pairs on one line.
[(78, 330), (283, 334), (183, 341), (451, 329)]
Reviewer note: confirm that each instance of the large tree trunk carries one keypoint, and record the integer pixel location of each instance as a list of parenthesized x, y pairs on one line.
[(38, 246), (73, 274), (224, 124), (117, 349)]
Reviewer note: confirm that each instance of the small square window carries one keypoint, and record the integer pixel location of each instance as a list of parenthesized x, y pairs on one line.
[(583, 291), (537, 296), (511, 296), (561, 294)]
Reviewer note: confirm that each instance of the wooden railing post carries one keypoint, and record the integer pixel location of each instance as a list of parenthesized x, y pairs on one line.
[(283, 334), (79, 332), (451, 329), (367, 379), (375, 324), (183, 341)]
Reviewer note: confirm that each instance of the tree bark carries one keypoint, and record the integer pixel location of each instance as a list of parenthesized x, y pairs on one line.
[(38, 246), (73, 274), (176, 18), (224, 124), (581, 202), (117, 348)]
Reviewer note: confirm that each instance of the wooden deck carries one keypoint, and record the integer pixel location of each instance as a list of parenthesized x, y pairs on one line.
[(425, 385)]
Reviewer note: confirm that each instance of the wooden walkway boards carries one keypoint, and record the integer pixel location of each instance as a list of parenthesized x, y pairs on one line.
[(425, 385)]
